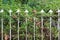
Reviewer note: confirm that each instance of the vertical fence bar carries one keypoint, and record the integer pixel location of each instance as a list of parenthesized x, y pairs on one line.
[(18, 22), (50, 11), (26, 28), (1, 25), (34, 27), (42, 27), (18, 27), (10, 11), (26, 11), (42, 11), (58, 24), (50, 27)]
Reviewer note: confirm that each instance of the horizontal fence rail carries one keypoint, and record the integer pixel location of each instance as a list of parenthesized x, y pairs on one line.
[(38, 21)]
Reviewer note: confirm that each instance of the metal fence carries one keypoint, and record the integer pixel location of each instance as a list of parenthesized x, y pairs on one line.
[(35, 36)]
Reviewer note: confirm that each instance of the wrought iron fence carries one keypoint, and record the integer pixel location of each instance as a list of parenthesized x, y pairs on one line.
[(41, 27)]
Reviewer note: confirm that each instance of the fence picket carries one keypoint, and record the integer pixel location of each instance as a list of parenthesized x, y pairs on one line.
[(2, 27), (42, 12), (26, 11), (2, 24), (10, 11), (50, 11), (58, 24), (18, 11), (34, 27)]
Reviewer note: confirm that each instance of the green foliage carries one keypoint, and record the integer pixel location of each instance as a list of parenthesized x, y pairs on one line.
[(30, 5)]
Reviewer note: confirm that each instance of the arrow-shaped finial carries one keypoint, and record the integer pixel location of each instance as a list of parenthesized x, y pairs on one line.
[(50, 11), (10, 11), (2, 11), (58, 11), (26, 11), (42, 11), (18, 11)]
